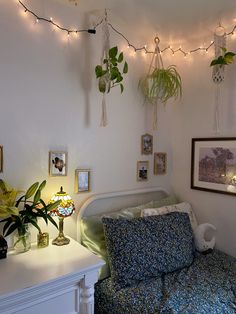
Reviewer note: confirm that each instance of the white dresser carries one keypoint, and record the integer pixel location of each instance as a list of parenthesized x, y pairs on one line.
[(50, 280)]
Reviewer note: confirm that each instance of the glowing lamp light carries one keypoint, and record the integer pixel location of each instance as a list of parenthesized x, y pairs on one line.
[(65, 209)]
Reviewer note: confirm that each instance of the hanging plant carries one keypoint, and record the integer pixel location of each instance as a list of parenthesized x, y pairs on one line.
[(226, 58), (108, 74), (160, 84)]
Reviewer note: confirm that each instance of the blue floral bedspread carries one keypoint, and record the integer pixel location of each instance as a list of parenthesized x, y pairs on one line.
[(208, 286)]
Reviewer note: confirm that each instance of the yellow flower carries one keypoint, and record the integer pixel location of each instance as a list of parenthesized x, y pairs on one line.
[(7, 200)]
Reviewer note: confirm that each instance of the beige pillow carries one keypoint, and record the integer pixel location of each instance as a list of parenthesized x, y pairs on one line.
[(181, 207)]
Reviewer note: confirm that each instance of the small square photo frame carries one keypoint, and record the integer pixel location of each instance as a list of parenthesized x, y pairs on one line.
[(160, 163), (1, 158), (146, 144), (57, 163), (82, 180), (142, 170)]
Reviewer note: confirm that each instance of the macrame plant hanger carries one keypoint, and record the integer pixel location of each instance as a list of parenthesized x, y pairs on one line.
[(105, 51), (218, 73), (156, 63)]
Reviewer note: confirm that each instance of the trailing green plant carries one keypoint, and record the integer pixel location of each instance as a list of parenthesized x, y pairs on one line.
[(24, 210), (161, 84), (226, 58), (108, 74)]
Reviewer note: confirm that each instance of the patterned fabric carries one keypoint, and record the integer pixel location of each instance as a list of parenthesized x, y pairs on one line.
[(181, 207), (208, 286), (92, 234), (142, 248)]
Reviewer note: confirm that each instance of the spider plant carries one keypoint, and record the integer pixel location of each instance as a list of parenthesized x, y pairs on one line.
[(161, 84)]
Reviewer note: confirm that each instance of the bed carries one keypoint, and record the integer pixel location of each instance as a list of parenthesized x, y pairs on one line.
[(144, 271)]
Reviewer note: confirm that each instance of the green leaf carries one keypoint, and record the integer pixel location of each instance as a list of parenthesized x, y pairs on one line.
[(37, 196), (52, 221), (11, 229), (53, 205), (121, 88), (7, 224), (223, 49), (125, 69), (114, 73), (121, 57), (42, 185), (230, 53), (31, 190), (34, 223), (113, 52), (119, 78), (98, 71)]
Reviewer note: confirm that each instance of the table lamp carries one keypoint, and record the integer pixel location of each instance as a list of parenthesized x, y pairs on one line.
[(65, 209)]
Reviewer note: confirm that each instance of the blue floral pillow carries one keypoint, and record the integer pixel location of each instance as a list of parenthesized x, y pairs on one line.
[(146, 247)]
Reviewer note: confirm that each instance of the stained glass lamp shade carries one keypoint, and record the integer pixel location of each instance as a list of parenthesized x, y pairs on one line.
[(65, 209)]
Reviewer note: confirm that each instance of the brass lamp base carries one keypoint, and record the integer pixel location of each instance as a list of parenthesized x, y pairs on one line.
[(61, 239)]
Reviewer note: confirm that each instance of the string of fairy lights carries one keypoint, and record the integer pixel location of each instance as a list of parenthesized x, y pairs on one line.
[(143, 48)]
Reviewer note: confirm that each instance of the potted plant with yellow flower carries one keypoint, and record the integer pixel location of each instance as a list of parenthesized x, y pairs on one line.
[(19, 213)]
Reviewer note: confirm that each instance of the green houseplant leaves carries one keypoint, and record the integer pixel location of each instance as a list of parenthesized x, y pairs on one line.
[(25, 210), (109, 74), (226, 58), (161, 84)]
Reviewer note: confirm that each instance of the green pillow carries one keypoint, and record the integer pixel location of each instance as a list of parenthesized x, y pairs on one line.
[(92, 234), (170, 200)]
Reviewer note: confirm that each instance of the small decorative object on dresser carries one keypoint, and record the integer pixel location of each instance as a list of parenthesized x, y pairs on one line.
[(42, 239), (142, 170), (160, 163), (64, 209), (58, 163), (146, 144), (3, 247), (82, 180), (1, 159)]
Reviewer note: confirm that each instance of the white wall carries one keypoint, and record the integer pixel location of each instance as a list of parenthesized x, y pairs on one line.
[(49, 99)]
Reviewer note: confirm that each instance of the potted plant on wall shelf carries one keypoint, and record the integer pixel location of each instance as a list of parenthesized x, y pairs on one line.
[(160, 84), (21, 212)]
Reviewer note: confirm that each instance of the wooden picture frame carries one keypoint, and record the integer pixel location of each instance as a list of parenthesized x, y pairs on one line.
[(146, 144), (160, 163), (1, 158), (213, 165), (58, 163), (142, 170), (82, 180)]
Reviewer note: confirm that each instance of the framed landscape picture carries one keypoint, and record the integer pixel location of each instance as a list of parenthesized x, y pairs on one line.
[(82, 180), (160, 163), (213, 166), (146, 144), (1, 158), (142, 170), (57, 163)]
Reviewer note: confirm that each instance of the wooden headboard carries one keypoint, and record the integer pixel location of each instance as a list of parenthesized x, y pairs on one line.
[(109, 202)]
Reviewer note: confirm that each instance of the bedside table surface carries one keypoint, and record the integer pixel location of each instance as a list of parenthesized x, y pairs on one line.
[(37, 266)]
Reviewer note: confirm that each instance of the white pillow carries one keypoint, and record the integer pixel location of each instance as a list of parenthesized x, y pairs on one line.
[(181, 207)]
